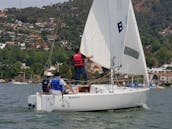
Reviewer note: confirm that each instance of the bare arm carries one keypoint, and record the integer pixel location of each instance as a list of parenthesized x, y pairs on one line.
[(88, 57), (68, 87)]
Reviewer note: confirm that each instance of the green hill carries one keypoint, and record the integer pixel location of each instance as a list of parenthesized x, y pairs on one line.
[(154, 20)]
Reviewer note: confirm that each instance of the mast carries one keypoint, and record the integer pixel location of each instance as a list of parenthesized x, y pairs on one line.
[(55, 33), (51, 53), (118, 20), (112, 75), (111, 58)]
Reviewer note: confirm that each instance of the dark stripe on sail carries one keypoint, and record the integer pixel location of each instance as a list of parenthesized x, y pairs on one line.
[(131, 52)]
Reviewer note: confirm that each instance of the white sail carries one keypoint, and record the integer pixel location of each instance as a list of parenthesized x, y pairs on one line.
[(111, 32), (104, 33), (133, 56)]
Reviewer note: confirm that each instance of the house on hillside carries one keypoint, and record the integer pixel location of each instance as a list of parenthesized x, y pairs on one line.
[(24, 66), (22, 46), (160, 75), (65, 44), (11, 43), (166, 78), (2, 45), (2, 14)]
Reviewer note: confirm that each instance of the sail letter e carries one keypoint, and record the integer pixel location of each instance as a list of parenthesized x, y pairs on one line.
[(120, 27)]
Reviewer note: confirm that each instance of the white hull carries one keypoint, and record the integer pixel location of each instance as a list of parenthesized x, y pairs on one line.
[(103, 100), (19, 83), (2, 81)]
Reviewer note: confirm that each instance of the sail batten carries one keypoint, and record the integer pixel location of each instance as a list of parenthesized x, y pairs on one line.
[(131, 52)]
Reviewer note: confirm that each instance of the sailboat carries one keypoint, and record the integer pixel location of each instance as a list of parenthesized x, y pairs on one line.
[(111, 36)]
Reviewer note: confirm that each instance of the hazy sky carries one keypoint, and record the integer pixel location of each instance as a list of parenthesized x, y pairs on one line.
[(26, 3)]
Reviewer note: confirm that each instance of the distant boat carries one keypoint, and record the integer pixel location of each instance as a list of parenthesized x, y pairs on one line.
[(2, 81), (18, 83), (111, 36)]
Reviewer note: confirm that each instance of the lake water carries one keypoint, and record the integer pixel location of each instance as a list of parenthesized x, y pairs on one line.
[(15, 115)]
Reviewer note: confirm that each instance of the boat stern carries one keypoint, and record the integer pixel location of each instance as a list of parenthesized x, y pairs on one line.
[(31, 101), (41, 102)]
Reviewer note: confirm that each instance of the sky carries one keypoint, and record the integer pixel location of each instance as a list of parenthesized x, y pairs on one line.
[(26, 3)]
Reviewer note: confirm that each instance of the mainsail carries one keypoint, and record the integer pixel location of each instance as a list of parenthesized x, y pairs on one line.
[(104, 33)]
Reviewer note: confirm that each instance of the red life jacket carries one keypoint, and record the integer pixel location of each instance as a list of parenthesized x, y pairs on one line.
[(77, 59)]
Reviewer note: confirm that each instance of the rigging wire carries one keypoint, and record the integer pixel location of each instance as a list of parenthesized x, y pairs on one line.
[(118, 80), (56, 30), (98, 80), (49, 61)]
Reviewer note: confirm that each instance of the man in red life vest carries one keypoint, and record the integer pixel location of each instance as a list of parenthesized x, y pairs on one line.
[(79, 68)]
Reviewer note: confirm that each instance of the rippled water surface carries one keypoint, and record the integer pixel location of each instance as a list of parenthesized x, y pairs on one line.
[(14, 114)]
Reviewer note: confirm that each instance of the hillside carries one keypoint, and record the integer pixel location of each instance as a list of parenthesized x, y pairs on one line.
[(154, 20), (65, 23)]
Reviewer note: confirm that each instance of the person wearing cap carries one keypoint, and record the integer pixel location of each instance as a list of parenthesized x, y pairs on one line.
[(46, 84), (58, 85)]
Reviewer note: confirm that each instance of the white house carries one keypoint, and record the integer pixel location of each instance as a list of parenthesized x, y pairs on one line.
[(2, 45)]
